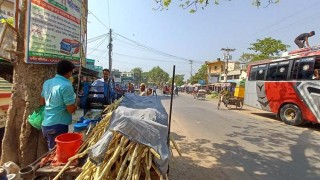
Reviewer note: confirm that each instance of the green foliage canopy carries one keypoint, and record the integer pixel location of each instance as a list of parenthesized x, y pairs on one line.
[(178, 79), (202, 74), (267, 48), (246, 57), (157, 76), (137, 75)]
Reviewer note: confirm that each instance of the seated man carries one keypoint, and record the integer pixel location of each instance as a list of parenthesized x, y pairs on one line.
[(225, 94)]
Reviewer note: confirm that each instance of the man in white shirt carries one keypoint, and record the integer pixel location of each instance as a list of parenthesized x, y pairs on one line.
[(143, 90), (99, 85)]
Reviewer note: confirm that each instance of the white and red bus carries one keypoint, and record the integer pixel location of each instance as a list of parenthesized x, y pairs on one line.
[(287, 86)]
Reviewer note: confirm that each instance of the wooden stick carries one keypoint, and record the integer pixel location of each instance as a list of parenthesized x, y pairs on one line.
[(69, 162), (175, 146)]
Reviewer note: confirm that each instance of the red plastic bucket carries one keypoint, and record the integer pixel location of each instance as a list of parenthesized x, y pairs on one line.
[(67, 146)]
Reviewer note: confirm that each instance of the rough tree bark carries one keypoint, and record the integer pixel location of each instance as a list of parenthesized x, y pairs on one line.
[(22, 143)]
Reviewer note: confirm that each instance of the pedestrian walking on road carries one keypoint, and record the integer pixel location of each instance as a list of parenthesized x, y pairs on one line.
[(303, 38), (154, 90), (60, 103)]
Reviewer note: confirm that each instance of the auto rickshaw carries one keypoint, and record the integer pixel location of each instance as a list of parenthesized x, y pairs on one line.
[(235, 89)]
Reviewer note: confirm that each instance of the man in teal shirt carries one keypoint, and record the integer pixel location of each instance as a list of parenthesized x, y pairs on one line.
[(60, 102)]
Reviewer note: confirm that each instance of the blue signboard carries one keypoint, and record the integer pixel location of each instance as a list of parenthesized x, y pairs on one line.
[(202, 82)]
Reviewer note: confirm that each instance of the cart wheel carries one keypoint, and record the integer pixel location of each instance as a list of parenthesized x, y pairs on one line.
[(241, 104)]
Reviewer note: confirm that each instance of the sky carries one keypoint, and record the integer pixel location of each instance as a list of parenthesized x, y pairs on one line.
[(175, 36)]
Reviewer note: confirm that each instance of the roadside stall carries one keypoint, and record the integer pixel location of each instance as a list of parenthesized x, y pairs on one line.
[(130, 141)]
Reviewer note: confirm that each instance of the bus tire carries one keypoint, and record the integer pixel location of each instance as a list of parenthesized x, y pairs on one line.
[(292, 115)]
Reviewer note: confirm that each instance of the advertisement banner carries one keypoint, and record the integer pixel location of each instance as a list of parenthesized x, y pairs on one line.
[(54, 31)]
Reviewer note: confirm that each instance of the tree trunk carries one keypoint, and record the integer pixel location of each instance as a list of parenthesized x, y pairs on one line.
[(22, 143)]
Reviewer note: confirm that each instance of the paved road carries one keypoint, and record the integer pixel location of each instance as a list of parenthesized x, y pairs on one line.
[(228, 144)]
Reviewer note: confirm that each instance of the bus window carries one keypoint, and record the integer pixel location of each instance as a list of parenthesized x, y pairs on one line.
[(253, 72), (303, 69), (272, 71), (261, 72), (316, 71), (282, 71)]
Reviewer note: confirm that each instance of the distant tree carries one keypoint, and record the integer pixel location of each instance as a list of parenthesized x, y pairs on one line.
[(267, 48), (246, 57), (158, 76), (194, 4), (144, 77), (200, 75), (178, 79), (137, 75)]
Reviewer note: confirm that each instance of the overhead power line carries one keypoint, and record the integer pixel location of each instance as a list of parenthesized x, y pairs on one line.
[(280, 21), (96, 38), (103, 52), (98, 45), (98, 19), (155, 50), (109, 13), (146, 58)]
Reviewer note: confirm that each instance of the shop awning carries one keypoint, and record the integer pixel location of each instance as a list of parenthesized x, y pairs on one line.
[(86, 72)]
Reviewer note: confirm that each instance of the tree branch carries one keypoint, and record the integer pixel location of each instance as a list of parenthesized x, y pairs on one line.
[(160, 5), (186, 4), (270, 2)]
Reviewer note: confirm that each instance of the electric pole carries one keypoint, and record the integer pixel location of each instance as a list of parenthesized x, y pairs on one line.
[(191, 62), (227, 58), (110, 51)]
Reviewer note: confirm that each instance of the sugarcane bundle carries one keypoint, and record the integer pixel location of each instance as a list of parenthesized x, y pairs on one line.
[(94, 136), (124, 159)]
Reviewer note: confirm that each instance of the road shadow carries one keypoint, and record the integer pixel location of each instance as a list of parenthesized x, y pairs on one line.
[(280, 152), (195, 162), (232, 108), (271, 116), (312, 126), (166, 97), (266, 115), (177, 137)]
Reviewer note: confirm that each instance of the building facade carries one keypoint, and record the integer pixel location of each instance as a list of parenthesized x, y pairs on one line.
[(127, 77), (90, 64), (214, 68)]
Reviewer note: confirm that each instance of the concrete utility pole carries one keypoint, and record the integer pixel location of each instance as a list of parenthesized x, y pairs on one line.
[(110, 51), (227, 60), (191, 62)]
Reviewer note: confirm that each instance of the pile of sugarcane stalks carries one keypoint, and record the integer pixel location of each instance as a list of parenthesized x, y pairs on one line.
[(124, 159)]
